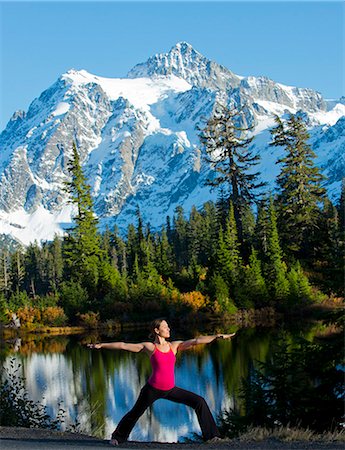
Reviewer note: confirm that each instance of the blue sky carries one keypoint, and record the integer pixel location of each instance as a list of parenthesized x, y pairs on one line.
[(295, 43)]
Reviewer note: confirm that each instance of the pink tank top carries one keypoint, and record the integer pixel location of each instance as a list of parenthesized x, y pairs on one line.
[(163, 368)]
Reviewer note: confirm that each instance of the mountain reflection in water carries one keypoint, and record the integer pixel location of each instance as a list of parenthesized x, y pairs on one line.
[(100, 386)]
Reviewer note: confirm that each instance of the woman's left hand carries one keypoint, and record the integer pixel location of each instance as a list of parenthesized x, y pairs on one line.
[(225, 336)]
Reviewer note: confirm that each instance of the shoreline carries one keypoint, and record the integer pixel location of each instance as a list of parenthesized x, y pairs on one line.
[(264, 317)]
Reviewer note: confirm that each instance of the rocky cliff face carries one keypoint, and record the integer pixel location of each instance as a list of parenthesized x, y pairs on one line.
[(138, 140)]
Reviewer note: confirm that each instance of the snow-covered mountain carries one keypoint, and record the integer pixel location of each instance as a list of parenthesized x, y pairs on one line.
[(138, 140)]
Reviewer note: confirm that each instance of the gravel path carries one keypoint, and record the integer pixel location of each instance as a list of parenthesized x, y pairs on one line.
[(24, 438)]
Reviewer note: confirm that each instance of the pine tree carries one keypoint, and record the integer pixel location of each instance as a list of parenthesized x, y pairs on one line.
[(118, 252), (55, 264), (299, 287), (180, 238), (17, 271), (222, 206), (164, 256), (31, 279), (131, 247), (228, 259), (253, 288), (232, 159), (328, 245), (4, 272), (209, 235), (140, 240), (299, 183), (261, 229), (341, 209), (82, 245), (194, 234), (275, 269)]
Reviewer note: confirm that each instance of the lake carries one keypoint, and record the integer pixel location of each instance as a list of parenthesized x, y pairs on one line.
[(100, 386)]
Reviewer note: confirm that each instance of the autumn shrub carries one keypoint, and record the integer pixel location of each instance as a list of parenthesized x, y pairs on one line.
[(89, 319), (29, 315), (54, 316), (194, 300)]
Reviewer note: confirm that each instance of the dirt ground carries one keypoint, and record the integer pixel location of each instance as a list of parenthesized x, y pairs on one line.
[(25, 434)]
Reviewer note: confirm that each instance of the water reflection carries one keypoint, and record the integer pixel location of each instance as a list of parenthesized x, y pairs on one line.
[(99, 387)]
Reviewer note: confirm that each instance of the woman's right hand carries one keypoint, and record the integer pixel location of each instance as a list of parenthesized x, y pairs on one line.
[(96, 346)]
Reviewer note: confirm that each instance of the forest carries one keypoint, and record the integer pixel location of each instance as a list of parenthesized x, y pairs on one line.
[(250, 249)]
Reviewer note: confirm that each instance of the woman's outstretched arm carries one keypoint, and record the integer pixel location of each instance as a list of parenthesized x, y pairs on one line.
[(184, 345), (136, 348)]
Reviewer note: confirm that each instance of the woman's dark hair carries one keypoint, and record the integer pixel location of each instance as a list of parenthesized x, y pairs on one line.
[(155, 324)]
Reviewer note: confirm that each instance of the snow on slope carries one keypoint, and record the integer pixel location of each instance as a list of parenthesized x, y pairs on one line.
[(138, 140), (140, 92)]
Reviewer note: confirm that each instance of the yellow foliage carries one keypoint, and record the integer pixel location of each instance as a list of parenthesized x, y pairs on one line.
[(28, 315), (194, 299), (53, 315), (89, 319)]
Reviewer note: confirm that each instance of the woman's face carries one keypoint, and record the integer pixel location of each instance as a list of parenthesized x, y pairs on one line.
[(163, 330)]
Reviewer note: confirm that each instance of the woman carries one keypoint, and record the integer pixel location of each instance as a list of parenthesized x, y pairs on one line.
[(161, 383)]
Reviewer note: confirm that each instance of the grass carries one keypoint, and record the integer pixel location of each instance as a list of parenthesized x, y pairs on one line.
[(288, 434)]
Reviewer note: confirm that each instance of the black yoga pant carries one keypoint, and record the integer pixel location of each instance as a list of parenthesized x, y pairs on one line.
[(149, 394)]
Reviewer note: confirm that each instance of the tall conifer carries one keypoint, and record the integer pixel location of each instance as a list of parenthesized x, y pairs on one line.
[(299, 183), (229, 152), (82, 247), (275, 269)]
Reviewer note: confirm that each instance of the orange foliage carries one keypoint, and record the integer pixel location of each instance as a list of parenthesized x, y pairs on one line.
[(28, 315), (194, 299), (89, 319), (53, 315)]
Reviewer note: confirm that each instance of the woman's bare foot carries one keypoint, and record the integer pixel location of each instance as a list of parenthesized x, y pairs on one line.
[(114, 442)]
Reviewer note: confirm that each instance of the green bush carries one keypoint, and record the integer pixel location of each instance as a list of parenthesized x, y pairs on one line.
[(298, 387), (73, 299), (19, 299), (18, 410)]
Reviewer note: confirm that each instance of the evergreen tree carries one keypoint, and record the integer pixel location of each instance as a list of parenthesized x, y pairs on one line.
[(275, 269), (17, 271), (194, 234), (164, 255), (328, 245), (229, 153), (299, 183), (32, 275), (141, 245), (4, 272), (118, 252), (209, 235), (82, 245), (55, 264), (219, 292), (180, 238), (253, 291), (228, 259), (131, 247), (222, 206), (299, 286), (261, 229)]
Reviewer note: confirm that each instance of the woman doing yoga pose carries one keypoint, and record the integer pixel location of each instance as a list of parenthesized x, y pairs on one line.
[(161, 383)]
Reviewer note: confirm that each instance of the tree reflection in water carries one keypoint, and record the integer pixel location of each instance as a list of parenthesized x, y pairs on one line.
[(99, 387)]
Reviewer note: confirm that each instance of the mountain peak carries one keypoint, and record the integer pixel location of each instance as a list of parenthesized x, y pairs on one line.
[(185, 62), (184, 48)]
